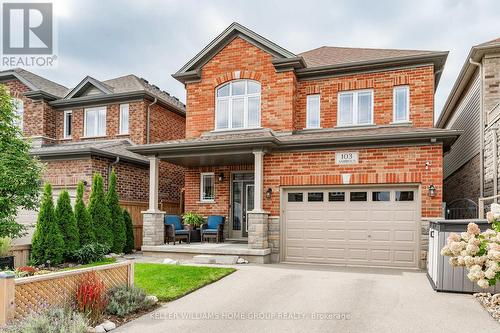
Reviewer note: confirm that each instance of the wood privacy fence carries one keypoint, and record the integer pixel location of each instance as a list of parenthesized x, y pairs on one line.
[(135, 209), (21, 254), (20, 297)]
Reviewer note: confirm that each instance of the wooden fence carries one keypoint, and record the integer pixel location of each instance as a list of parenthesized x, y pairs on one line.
[(20, 297), (21, 254), (135, 209)]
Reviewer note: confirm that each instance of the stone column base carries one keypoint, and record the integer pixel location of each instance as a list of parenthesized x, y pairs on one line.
[(153, 228), (258, 230)]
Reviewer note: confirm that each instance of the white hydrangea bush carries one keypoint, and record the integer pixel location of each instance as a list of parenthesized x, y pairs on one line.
[(477, 251)]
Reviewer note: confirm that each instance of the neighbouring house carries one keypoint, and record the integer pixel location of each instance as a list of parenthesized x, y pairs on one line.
[(327, 156), (473, 107), (78, 132)]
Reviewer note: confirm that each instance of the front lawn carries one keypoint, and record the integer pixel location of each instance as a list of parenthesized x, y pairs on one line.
[(169, 282)]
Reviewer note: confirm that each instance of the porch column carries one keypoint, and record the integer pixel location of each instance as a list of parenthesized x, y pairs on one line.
[(258, 179), (153, 227), (258, 218)]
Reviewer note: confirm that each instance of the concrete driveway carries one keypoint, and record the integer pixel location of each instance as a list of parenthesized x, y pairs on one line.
[(296, 298)]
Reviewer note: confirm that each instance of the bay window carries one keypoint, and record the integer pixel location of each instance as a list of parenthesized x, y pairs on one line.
[(355, 108), (237, 105)]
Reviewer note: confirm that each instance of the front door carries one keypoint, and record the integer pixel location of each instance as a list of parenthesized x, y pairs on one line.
[(242, 201)]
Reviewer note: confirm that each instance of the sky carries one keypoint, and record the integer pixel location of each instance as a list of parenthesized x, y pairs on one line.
[(153, 38)]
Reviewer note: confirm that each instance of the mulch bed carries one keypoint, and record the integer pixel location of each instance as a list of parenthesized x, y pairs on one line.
[(491, 303)]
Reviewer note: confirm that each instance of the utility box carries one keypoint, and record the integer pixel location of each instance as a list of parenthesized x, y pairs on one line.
[(443, 276)]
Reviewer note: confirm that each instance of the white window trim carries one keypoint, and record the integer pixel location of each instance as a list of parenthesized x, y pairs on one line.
[(85, 121), (202, 175), (407, 119), (65, 124), (120, 119), (230, 98), (308, 125), (355, 93), (20, 122)]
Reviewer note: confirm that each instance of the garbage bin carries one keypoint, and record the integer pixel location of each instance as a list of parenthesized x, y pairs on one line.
[(443, 276)]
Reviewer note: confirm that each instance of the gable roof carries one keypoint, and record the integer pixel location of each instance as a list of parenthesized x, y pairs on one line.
[(119, 88), (476, 54), (322, 61), (191, 69), (36, 83)]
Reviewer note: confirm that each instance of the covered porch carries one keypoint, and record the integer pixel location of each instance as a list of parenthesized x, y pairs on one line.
[(223, 177)]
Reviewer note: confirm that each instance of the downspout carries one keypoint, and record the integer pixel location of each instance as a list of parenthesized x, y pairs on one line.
[(481, 128), (110, 166), (149, 117)]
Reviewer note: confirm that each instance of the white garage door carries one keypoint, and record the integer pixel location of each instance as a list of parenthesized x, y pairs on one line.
[(352, 226), (29, 217)]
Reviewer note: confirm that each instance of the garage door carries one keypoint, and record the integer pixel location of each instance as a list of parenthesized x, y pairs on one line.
[(29, 217), (352, 226)]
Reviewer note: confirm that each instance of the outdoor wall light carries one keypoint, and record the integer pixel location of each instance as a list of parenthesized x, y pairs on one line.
[(221, 177), (432, 190), (268, 193)]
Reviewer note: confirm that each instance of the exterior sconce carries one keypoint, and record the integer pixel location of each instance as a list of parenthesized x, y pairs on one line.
[(432, 190), (221, 177), (269, 192)]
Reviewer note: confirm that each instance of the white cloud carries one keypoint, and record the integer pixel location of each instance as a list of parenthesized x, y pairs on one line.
[(155, 38)]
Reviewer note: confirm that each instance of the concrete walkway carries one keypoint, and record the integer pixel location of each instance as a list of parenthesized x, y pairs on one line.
[(296, 298)]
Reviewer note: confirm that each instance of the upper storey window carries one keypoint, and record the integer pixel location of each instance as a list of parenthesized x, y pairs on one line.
[(19, 109), (95, 122), (401, 104), (237, 105), (355, 108)]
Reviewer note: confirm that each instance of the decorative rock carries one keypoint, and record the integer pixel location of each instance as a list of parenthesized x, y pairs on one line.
[(169, 261), (152, 299), (491, 303), (99, 329), (90, 330), (108, 325), (242, 261)]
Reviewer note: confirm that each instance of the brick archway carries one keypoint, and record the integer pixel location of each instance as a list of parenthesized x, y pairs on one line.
[(236, 75)]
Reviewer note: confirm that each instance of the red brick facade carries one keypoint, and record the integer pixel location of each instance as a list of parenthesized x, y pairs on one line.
[(283, 108), (40, 119)]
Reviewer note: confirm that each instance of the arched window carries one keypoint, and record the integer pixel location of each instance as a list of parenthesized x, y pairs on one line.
[(19, 105), (238, 105)]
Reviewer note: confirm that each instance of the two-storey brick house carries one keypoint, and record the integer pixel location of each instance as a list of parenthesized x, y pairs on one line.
[(78, 132), (328, 156)]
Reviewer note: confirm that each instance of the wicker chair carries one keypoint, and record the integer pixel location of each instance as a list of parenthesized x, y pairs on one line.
[(174, 229), (214, 228)]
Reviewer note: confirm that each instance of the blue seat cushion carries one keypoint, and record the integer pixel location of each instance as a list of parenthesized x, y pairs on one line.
[(210, 231), (181, 232), (175, 220), (214, 221)]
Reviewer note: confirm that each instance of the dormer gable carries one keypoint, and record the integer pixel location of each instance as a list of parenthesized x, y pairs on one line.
[(89, 87)]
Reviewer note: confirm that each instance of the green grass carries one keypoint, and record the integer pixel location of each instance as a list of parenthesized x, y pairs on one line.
[(169, 282), (92, 264)]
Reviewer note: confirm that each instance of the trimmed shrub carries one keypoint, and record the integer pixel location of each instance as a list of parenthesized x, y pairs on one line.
[(123, 300), (130, 243), (47, 244), (99, 212), (53, 320), (117, 223), (67, 224), (82, 217), (90, 253)]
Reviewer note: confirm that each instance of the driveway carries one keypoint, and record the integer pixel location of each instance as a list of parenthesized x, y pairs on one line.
[(297, 298)]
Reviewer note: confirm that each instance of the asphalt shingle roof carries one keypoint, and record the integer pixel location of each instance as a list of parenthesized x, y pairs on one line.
[(328, 55), (40, 83)]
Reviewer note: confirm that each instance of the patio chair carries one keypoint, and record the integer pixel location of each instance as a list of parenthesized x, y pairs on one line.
[(174, 229), (214, 228)]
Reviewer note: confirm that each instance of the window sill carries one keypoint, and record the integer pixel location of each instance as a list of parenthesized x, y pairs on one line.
[(355, 126), (123, 134), (93, 137), (226, 130), (401, 123), (65, 139), (206, 202)]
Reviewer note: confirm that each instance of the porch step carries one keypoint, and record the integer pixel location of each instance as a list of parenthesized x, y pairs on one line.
[(237, 240), (211, 259)]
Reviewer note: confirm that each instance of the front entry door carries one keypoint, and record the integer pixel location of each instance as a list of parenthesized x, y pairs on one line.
[(242, 201)]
